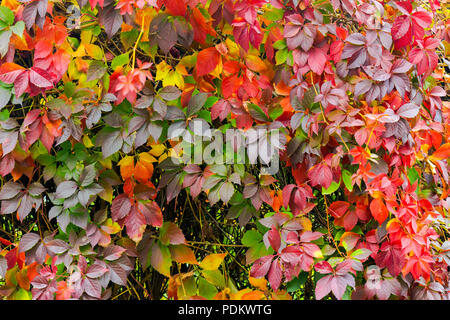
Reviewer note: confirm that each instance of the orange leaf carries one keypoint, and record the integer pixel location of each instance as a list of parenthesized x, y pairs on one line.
[(22, 279), (207, 61), (126, 167), (255, 63), (212, 261), (260, 283), (182, 254), (142, 172), (443, 152)]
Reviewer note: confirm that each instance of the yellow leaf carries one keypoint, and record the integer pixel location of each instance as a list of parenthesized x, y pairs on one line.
[(318, 254), (212, 261), (110, 227), (162, 70), (86, 36), (94, 51), (157, 150), (217, 70), (147, 158), (174, 79), (11, 4), (87, 142), (162, 158), (107, 192), (106, 163), (233, 49), (306, 223)]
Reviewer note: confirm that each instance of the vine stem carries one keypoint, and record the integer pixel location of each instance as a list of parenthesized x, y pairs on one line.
[(370, 136), (328, 227), (136, 44), (320, 104), (323, 114)]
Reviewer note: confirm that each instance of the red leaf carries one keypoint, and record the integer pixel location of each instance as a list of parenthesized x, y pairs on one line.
[(220, 109), (10, 71), (40, 78), (274, 238), (275, 274), (170, 233), (7, 164), (321, 174), (390, 256), (323, 267), (338, 208), (261, 266), (323, 287), (151, 212), (120, 207), (379, 210), (316, 60), (401, 31), (135, 223), (176, 7)]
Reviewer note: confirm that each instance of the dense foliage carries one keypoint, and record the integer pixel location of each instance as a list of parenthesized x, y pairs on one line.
[(102, 100)]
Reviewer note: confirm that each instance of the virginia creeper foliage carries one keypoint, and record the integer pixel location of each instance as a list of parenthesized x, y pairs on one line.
[(97, 201)]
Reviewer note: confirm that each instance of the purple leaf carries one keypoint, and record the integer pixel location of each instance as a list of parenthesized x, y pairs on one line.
[(92, 287), (113, 252), (323, 287), (28, 241), (408, 110), (120, 207), (10, 190), (65, 189)]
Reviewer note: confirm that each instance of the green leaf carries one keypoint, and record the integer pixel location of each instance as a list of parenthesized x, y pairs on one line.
[(205, 289), (274, 14), (281, 56), (214, 277), (280, 44), (18, 28), (6, 15), (129, 38), (276, 112), (347, 178), (251, 238), (297, 282), (332, 188), (120, 61), (69, 89), (257, 113), (413, 175), (4, 115), (22, 294)]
